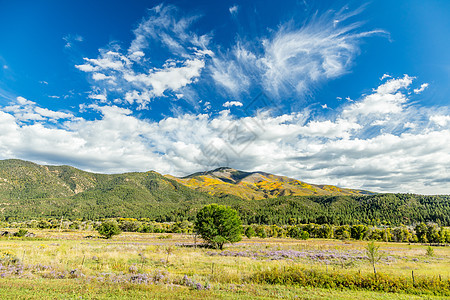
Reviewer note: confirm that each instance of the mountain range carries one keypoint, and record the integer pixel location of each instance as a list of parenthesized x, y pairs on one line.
[(27, 180), (29, 190)]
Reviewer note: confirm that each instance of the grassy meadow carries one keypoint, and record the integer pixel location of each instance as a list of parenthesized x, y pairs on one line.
[(80, 265)]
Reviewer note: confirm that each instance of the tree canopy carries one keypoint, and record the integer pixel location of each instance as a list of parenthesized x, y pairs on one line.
[(218, 224), (109, 228)]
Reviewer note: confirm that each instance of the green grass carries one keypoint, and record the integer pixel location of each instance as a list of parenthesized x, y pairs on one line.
[(230, 277), (68, 289)]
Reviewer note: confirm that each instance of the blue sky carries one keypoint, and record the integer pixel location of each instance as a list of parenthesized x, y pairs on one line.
[(347, 93)]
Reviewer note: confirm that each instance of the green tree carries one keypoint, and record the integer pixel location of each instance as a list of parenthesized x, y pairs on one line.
[(109, 228), (421, 232), (218, 224)]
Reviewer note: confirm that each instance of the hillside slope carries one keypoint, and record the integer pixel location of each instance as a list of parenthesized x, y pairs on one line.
[(28, 189), (258, 185)]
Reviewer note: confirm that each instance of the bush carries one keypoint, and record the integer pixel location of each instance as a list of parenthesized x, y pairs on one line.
[(261, 231), (21, 233), (250, 232), (218, 224), (109, 228), (304, 235)]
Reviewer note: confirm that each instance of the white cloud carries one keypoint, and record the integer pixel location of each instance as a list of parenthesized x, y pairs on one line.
[(25, 110), (101, 76), (232, 103), (292, 59), (169, 78), (55, 115), (22, 101), (440, 120), (386, 99), (131, 76), (108, 61), (102, 97), (233, 9), (385, 76), (421, 89), (86, 68), (299, 145), (393, 85), (71, 39)]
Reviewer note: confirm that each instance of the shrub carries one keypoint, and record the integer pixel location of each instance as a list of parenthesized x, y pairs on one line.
[(261, 231), (304, 235), (250, 232), (109, 228), (21, 233)]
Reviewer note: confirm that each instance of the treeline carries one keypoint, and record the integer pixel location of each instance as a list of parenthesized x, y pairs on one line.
[(420, 233), (180, 203), (380, 209)]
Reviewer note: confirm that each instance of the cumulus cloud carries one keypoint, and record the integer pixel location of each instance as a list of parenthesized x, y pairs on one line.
[(336, 150), (386, 99), (101, 76), (440, 120), (232, 103), (25, 110), (131, 76), (170, 78)]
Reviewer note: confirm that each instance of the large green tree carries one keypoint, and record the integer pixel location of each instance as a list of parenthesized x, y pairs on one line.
[(218, 224)]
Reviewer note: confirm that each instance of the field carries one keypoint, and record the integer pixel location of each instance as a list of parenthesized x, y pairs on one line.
[(80, 265)]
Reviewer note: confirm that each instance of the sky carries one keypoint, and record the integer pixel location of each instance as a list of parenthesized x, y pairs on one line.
[(349, 93)]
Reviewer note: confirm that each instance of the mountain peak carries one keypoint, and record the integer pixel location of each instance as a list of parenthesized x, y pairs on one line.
[(257, 185)]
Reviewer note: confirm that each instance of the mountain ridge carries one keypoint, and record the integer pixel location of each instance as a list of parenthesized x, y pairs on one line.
[(29, 190), (258, 185), (49, 181)]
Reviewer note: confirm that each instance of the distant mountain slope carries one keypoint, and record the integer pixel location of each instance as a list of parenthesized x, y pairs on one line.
[(258, 185), (29, 189)]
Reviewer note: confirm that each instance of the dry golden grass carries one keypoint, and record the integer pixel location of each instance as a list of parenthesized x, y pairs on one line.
[(147, 252)]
